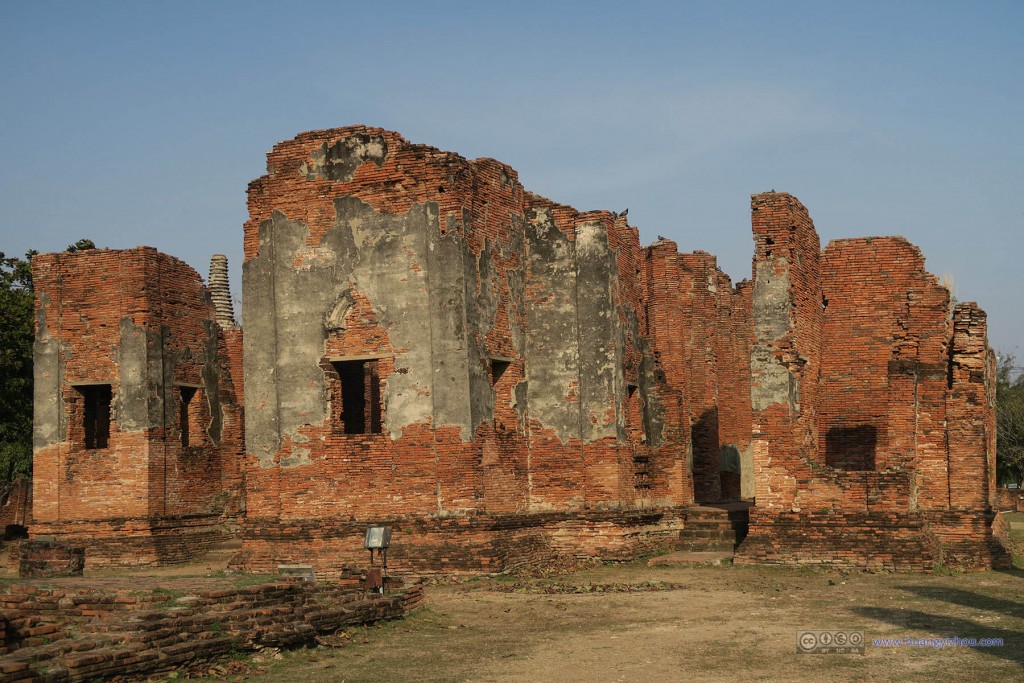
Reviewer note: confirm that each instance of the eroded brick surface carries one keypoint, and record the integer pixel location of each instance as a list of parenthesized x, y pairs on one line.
[(123, 338), (504, 379), (55, 633), (873, 413)]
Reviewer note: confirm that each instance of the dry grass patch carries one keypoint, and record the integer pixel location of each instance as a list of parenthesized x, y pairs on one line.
[(676, 624)]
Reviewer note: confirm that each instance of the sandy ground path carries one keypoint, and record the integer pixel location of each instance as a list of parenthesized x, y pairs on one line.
[(706, 624)]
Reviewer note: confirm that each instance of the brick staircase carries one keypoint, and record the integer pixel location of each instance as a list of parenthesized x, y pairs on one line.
[(718, 528), (711, 535)]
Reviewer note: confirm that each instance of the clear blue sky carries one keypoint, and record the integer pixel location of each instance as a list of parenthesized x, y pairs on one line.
[(142, 122)]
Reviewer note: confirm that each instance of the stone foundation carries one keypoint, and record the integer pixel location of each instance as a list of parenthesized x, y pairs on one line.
[(139, 542), (464, 545), (877, 541)]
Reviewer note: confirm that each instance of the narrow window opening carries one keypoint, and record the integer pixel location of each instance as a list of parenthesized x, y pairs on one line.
[(185, 398), (96, 414), (360, 396), (501, 383)]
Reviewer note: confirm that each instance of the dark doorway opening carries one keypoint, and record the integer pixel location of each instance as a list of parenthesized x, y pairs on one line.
[(96, 414), (360, 396)]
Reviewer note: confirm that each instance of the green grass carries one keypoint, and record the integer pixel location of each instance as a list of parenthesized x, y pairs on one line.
[(243, 580)]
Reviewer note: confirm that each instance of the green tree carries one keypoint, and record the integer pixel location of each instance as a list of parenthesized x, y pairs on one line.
[(16, 336), (81, 245), (16, 312), (1009, 421)]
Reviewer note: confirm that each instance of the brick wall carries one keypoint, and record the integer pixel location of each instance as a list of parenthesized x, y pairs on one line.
[(49, 558), (1009, 500), (123, 338), (873, 413), (17, 507), (700, 328), (77, 634), (786, 354), (518, 371), (429, 343), (734, 341)]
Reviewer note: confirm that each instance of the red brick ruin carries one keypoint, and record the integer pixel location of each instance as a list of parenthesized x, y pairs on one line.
[(138, 420), (504, 381)]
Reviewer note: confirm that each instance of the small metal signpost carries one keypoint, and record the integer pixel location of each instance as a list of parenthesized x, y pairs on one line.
[(378, 538)]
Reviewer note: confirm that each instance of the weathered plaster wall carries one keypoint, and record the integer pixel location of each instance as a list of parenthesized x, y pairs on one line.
[(510, 335)]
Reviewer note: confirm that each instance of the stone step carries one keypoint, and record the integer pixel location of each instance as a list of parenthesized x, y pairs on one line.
[(684, 558), (703, 519), (707, 545), (713, 530), (733, 519), (708, 531), (708, 526)]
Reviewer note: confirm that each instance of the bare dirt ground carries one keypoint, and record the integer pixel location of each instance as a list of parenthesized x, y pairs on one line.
[(634, 623), (631, 622)]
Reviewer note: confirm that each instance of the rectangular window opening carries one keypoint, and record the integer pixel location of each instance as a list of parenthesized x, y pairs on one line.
[(96, 414), (185, 398), (360, 396)]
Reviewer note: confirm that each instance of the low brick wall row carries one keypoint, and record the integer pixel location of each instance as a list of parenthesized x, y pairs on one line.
[(77, 635), (878, 541), (48, 558), (129, 542), (1009, 500), (463, 545)]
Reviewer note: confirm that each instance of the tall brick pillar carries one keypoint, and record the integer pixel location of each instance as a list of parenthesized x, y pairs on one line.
[(785, 359), (972, 462), (669, 326)]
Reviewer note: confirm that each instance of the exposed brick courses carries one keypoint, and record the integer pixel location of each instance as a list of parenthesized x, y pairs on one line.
[(529, 381), (872, 405), (142, 325)]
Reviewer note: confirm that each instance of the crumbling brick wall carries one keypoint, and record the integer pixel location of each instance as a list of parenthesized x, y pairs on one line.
[(872, 404), (502, 340), (68, 633), (135, 411), (38, 559), (700, 325), (886, 331), (785, 358), (734, 341), (429, 344)]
